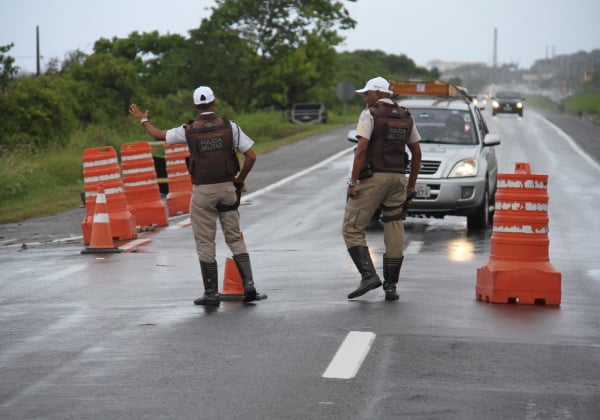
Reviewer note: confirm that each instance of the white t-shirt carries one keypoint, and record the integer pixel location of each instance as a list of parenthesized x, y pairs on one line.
[(241, 141), (366, 123)]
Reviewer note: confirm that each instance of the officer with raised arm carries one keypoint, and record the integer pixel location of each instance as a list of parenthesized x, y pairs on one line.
[(217, 181)]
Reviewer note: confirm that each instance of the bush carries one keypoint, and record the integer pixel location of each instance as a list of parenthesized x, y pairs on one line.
[(37, 112)]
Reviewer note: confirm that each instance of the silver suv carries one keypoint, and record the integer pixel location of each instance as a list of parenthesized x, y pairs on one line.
[(459, 167)]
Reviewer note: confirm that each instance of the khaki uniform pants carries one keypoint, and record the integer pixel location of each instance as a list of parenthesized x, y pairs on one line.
[(384, 188), (204, 215)]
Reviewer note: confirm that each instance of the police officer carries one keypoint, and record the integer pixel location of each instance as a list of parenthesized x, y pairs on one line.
[(218, 179), (378, 180)]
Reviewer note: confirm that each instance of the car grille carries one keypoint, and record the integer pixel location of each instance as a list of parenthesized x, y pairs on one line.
[(429, 167)]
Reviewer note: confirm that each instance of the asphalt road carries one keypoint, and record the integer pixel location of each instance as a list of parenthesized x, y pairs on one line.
[(117, 336)]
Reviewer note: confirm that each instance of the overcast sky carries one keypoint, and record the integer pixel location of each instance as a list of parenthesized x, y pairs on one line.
[(424, 30)]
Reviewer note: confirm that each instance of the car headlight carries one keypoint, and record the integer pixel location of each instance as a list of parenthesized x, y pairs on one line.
[(519, 105), (495, 104), (467, 167)]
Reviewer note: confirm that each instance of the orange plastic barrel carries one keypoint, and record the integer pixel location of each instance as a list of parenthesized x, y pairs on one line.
[(180, 183), (519, 269), (140, 184)]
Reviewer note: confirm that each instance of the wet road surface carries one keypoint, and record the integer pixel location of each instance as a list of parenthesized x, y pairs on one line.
[(117, 336)]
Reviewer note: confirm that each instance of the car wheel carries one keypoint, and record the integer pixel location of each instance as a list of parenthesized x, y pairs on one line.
[(482, 217), (521, 114), (493, 113)]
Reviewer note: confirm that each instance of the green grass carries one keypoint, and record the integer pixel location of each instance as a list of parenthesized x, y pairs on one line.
[(37, 183), (542, 103), (587, 104)]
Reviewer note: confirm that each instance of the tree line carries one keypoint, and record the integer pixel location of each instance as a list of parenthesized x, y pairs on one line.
[(255, 55)]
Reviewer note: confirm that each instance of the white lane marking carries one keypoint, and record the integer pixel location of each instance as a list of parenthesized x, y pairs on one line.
[(414, 247), (573, 144), (133, 244), (64, 272), (184, 223), (349, 357)]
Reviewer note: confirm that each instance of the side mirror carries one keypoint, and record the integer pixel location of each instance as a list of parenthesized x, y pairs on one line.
[(352, 136), (491, 139)]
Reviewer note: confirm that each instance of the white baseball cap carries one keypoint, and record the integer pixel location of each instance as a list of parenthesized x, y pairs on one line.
[(203, 95), (377, 83)]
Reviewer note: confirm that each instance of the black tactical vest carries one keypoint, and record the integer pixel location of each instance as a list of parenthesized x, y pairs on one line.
[(212, 157), (392, 127)]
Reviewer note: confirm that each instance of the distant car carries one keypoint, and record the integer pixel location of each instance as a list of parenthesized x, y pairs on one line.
[(508, 102), (459, 166), (302, 113), (480, 101)]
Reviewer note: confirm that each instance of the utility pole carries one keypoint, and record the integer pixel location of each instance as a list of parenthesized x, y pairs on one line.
[(495, 59), (37, 49)]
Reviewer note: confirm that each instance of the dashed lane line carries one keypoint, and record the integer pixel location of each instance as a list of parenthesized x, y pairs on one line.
[(350, 356)]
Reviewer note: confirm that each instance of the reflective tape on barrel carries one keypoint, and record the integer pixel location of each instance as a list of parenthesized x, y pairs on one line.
[(178, 174), (102, 162), (528, 183), (177, 150), (175, 162), (137, 157), (503, 205), (521, 229), (138, 170), (140, 183), (106, 177), (107, 191)]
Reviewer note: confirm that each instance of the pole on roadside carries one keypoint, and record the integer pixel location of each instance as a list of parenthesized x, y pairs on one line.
[(37, 49)]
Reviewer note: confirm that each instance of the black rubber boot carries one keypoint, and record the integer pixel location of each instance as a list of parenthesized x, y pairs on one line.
[(210, 278), (391, 274), (242, 261), (362, 260)]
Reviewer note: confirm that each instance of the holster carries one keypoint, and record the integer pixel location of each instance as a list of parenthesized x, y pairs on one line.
[(402, 214), (409, 197), (222, 208), (366, 172)]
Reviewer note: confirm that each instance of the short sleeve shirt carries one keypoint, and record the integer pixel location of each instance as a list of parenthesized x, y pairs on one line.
[(241, 141), (366, 123)]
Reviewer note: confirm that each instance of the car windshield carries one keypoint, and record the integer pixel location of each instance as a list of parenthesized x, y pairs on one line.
[(508, 95), (444, 126)]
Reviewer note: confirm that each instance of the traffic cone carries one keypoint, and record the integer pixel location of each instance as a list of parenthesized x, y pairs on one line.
[(232, 282), (101, 239), (233, 288)]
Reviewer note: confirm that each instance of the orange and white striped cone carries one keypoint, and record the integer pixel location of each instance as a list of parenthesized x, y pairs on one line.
[(101, 238)]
